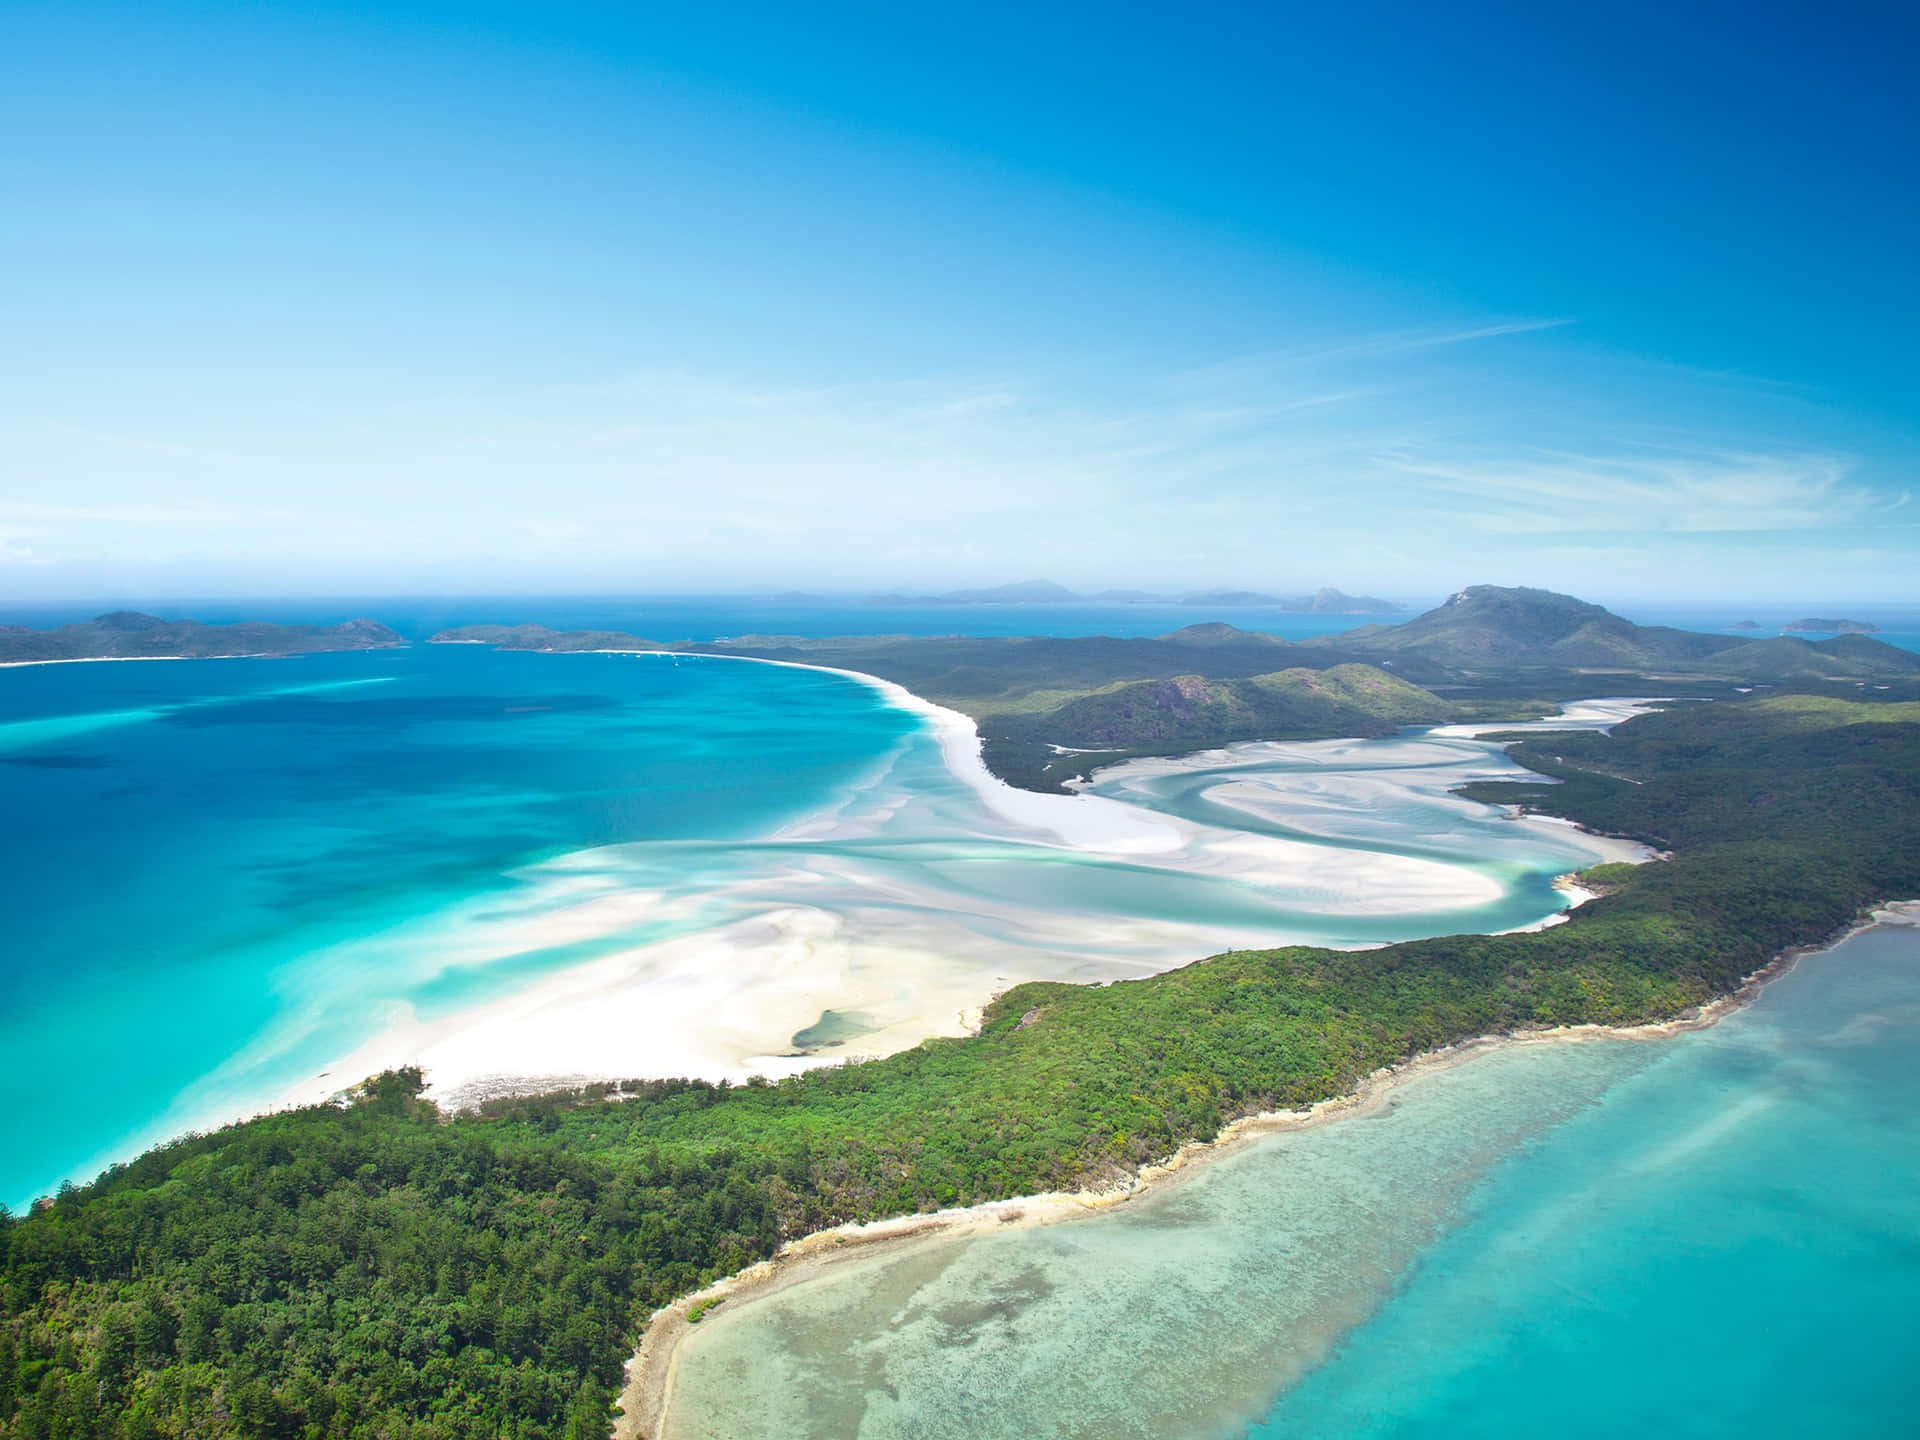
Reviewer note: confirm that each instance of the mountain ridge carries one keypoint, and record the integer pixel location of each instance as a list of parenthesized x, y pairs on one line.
[(1487, 627)]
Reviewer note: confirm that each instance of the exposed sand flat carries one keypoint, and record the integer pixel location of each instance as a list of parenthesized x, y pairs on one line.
[(1080, 821), (1599, 714), (1336, 790), (921, 894)]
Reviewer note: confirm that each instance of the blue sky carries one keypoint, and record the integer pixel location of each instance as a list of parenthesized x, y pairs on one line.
[(354, 299)]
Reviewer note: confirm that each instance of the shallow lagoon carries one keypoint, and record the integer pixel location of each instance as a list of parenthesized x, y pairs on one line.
[(201, 855), (1710, 1234)]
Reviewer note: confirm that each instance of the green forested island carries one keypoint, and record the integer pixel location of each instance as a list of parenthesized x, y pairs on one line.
[(130, 634), (378, 1268)]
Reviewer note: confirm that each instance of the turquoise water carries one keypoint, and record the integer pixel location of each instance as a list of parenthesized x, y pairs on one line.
[(182, 835), (1728, 1245), (1714, 1234), (229, 878)]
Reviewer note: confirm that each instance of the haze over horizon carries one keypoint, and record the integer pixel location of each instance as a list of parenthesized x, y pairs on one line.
[(480, 300)]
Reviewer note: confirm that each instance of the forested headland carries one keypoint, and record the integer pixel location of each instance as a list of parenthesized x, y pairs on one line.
[(133, 635)]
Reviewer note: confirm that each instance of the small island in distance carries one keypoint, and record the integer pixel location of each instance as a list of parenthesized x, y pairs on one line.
[(1813, 625), (1822, 625), (1324, 601), (133, 635)]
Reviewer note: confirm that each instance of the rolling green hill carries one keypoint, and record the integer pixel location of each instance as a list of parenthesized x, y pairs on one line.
[(1189, 711), (1790, 658)]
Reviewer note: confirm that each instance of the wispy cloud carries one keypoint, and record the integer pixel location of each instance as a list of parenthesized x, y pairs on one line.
[(15, 549), (1411, 341), (1698, 493), (1391, 461), (1332, 355)]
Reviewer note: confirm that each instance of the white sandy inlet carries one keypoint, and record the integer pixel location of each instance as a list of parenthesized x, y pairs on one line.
[(905, 906), (1601, 714), (1100, 826)]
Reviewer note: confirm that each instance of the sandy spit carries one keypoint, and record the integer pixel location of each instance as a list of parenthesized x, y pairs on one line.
[(109, 659), (643, 1404), (1081, 822)]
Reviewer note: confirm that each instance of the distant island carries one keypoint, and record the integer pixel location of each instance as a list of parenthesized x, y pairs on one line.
[(1813, 625), (1819, 625), (132, 635), (539, 637), (1325, 601)]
